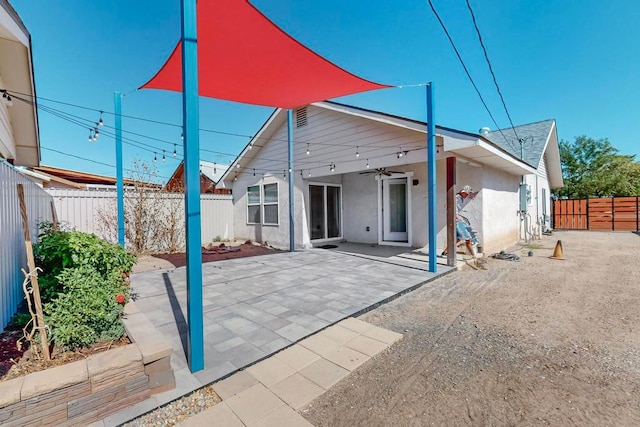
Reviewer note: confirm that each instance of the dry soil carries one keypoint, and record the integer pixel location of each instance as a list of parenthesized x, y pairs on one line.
[(535, 342)]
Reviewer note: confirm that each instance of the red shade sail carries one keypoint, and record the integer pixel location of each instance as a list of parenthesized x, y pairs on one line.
[(244, 57)]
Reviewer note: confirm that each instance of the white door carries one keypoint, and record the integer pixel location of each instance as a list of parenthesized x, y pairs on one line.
[(395, 219)]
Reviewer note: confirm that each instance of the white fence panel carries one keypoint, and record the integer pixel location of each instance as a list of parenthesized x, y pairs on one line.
[(79, 208), (12, 248)]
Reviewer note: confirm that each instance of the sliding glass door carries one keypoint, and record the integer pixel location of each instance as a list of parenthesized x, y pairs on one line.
[(325, 202)]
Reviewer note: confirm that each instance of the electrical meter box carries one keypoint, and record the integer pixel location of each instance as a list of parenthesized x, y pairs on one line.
[(525, 196)]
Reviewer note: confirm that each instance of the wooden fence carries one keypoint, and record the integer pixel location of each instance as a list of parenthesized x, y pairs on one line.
[(603, 214)]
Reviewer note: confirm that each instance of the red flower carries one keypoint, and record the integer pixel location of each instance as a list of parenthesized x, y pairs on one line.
[(120, 299)]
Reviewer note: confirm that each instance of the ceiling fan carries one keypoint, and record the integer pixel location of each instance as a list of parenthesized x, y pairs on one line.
[(379, 171)]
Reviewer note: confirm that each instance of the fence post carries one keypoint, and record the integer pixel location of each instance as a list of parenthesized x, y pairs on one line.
[(613, 214), (588, 213)]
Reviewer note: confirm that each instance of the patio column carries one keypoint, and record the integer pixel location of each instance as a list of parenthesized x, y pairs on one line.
[(431, 178), (117, 106), (191, 123), (451, 212), (292, 236)]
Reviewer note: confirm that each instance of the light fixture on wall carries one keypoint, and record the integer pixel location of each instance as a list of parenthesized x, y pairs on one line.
[(6, 98)]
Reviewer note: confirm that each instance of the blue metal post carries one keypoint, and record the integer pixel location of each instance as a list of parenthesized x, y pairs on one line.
[(117, 106), (292, 236), (431, 177), (190, 123)]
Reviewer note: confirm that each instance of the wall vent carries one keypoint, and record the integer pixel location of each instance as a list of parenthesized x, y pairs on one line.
[(301, 117)]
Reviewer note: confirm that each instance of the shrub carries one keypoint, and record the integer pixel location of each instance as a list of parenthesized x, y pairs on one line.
[(87, 310), (62, 249)]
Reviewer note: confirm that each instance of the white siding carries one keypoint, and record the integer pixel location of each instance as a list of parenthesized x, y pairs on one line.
[(499, 210), (12, 250)]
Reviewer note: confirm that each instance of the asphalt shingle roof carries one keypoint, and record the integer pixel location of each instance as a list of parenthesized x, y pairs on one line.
[(535, 137)]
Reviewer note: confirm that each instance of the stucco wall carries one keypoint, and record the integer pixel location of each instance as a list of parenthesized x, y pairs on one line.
[(360, 200), (500, 210)]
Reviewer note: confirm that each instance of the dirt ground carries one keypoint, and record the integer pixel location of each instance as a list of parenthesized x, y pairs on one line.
[(535, 342)]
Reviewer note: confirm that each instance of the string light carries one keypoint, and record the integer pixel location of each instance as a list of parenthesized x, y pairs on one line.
[(332, 167), (309, 174), (214, 168), (251, 146), (308, 151), (367, 163), (100, 122), (254, 172), (155, 157), (357, 152), (175, 153), (284, 174), (164, 159), (237, 165), (90, 139)]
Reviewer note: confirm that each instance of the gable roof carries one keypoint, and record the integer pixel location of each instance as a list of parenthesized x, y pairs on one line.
[(535, 136), (85, 178), (468, 144)]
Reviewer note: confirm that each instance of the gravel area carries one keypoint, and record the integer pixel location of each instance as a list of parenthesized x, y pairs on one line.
[(178, 410), (535, 342)]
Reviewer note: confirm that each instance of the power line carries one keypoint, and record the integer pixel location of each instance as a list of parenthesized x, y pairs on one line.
[(91, 160), (466, 70), (493, 75)]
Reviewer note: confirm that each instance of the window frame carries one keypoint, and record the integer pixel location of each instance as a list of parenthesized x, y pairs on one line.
[(262, 204), (259, 204), (265, 204)]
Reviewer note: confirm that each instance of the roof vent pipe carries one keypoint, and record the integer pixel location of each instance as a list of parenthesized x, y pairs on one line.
[(484, 131)]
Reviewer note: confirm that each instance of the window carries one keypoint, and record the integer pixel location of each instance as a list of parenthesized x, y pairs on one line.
[(262, 204), (270, 193), (253, 204)]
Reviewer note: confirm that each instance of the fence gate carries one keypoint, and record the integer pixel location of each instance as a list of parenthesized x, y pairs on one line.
[(602, 214)]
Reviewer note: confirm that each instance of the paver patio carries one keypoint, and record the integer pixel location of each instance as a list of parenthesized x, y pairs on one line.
[(255, 307)]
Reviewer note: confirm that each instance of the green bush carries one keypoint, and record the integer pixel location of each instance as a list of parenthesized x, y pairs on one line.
[(87, 310), (62, 249)]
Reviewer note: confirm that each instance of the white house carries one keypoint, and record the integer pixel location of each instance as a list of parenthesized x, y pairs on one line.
[(19, 140), (361, 176)]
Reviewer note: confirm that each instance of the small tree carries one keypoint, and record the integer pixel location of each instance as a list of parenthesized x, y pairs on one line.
[(153, 218), (593, 168)]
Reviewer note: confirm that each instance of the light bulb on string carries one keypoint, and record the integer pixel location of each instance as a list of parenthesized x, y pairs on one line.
[(332, 167), (367, 163), (164, 159), (309, 174), (284, 174), (100, 122), (155, 157), (308, 152), (251, 146), (357, 153), (254, 172), (90, 139), (215, 171), (175, 154)]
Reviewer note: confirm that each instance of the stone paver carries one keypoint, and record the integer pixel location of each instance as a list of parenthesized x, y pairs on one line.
[(296, 390), (254, 403), (220, 415), (257, 306)]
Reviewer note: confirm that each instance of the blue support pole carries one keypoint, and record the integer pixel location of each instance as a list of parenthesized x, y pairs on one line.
[(431, 177), (190, 123), (292, 236), (117, 106)]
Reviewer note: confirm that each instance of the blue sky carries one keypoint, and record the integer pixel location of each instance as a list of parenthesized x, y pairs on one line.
[(572, 61)]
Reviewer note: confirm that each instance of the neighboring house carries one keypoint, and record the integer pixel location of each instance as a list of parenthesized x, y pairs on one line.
[(52, 177), (361, 176), (210, 173), (19, 139)]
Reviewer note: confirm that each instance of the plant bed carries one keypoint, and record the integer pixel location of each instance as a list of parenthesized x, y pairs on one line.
[(178, 259), (82, 391)]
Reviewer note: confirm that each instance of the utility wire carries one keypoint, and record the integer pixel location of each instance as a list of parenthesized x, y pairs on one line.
[(495, 80), (466, 70)]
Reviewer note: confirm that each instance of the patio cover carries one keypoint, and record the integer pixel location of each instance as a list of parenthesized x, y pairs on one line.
[(244, 57)]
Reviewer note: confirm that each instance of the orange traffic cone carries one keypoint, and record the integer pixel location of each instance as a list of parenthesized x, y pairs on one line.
[(557, 252)]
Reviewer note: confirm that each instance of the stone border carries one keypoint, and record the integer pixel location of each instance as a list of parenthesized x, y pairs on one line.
[(85, 391)]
